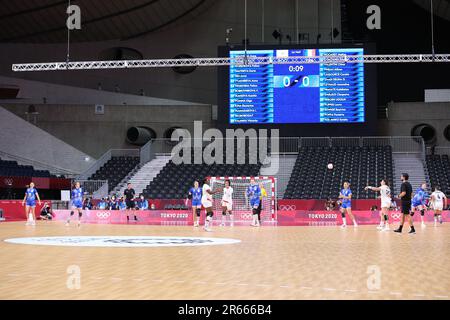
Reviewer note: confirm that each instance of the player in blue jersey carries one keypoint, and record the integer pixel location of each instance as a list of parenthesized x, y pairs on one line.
[(77, 203), (253, 194), (419, 202), (29, 201), (346, 204), (195, 194)]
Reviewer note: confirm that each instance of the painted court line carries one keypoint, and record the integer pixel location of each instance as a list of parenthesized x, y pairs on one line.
[(328, 289)]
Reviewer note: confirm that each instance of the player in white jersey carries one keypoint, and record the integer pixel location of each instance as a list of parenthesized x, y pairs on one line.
[(227, 203), (207, 203), (438, 202), (386, 201)]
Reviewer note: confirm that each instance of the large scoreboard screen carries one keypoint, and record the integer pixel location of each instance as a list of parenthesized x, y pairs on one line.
[(297, 93)]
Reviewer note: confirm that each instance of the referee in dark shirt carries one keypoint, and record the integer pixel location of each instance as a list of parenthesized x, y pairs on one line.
[(405, 197), (129, 194)]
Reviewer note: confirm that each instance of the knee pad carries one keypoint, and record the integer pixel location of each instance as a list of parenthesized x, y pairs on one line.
[(412, 214), (422, 212), (197, 211), (435, 215), (224, 213), (254, 211), (209, 215), (343, 214), (386, 217), (80, 214), (230, 213), (71, 213)]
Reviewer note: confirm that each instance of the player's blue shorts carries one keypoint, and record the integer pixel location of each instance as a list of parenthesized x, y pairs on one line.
[(346, 205), (196, 203), (77, 204), (415, 204), (254, 203), (31, 203)]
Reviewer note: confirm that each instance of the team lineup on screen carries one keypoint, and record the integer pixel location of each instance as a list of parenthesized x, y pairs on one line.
[(297, 93)]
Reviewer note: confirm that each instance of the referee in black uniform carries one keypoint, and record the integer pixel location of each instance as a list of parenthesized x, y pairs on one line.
[(129, 194), (405, 197)]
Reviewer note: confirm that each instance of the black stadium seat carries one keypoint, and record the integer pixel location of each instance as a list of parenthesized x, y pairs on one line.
[(115, 170), (360, 166)]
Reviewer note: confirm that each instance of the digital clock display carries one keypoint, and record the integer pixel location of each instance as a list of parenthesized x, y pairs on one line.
[(297, 93)]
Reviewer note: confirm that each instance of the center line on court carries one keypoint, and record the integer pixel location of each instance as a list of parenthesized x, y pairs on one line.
[(329, 289)]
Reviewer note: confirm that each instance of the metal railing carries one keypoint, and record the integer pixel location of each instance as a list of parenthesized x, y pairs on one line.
[(37, 165), (96, 189), (439, 150)]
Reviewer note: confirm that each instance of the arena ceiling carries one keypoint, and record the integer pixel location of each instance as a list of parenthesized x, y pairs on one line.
[(44, 21)]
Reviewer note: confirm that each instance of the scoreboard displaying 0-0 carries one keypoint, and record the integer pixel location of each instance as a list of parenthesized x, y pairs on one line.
[(331, 92)]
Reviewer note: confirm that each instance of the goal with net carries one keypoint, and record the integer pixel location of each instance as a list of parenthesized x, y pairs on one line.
[(242, 211)]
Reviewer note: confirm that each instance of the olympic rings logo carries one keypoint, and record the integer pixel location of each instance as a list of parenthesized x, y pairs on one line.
[(103, 215), (396, 215), (287, 207)]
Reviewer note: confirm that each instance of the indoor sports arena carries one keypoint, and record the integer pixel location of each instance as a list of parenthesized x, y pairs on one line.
[(226, 150)]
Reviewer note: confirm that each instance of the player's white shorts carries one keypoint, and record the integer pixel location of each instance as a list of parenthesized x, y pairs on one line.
[(385, 203), (227, 204), (206, 203), (438, 206)]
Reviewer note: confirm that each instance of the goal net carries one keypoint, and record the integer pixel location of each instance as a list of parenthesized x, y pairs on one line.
[(242, 211)]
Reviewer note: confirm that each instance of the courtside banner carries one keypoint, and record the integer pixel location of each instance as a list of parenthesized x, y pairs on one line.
[(156, 217), (299, 218), (14, 211)]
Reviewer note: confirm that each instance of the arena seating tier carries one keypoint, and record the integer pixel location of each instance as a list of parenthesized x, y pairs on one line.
[(439, 171), (361, 166), (115, 170), (174, 181), (13, 169)]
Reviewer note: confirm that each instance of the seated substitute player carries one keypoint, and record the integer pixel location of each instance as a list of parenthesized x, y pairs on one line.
[(142, 203), (195, 193), (30, 204), (227, 203), (77, 203), (129, 194), (385, 193), (438, 202), (207, 203), (113, 204), (253, 193), (346, 205), (418, 202)]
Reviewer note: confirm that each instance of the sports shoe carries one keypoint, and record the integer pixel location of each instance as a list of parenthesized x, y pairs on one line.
[(386, 228), (412, 231), (28, 223), (343, 225), (423, 225), (355, 225), (33, 223), (222, 224), (398, 230), (380, 227), (79, 224), (67, 224), (207, 229), (196, 224)]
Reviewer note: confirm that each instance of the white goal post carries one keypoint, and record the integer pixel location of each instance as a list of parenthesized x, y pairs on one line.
[(242, 211)]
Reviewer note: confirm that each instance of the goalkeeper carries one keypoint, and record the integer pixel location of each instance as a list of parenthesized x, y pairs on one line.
[(254, 193)]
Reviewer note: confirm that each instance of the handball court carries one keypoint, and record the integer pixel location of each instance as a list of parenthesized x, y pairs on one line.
[(324, 262)]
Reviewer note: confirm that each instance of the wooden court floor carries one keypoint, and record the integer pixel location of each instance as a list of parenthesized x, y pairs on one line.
[(268, 263)]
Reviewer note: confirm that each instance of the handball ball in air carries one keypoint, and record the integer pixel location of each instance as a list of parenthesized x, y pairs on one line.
[(330, 166)]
